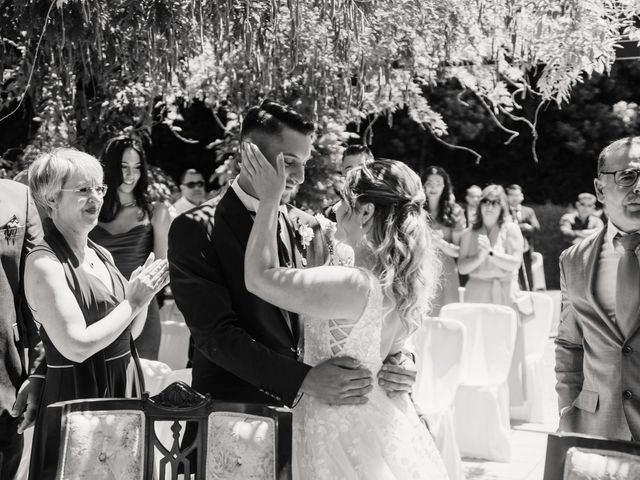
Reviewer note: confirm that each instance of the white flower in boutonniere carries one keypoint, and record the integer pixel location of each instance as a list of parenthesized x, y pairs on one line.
[(339, 253), (305, 233)]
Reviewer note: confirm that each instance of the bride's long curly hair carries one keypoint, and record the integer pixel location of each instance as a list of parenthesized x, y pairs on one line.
[(400, 238)]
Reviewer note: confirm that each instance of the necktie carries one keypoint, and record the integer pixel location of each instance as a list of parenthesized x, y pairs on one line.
[(627, 293), (283, 242), (286, 260)]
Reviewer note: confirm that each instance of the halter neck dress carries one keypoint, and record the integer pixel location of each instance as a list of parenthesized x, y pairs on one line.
[(130, 249), (103, 375)]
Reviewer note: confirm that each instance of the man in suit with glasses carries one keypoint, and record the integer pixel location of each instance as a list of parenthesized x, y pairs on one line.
[(598, 343), (526, 219), (192, 187)]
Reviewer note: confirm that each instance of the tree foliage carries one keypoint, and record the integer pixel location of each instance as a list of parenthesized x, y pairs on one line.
[(92, 69)]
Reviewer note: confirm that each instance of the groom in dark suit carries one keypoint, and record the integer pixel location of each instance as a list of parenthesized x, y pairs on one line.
[(246, 349)]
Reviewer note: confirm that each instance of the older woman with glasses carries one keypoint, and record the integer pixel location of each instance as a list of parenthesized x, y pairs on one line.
[(491, 251), (88, 312), (131, 226)]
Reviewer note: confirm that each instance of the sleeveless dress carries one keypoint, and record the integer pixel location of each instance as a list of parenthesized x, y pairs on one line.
[(130, 249), (103, 375), (382, 439), (449, 280)]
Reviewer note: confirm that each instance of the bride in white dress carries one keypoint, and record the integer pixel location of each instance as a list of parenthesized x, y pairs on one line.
[(355, 312)]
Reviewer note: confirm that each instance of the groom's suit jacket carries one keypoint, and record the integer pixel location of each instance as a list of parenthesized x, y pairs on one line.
[(597, 369), (246, 349)]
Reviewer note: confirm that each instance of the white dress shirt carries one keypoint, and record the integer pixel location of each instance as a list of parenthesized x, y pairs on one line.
[(252, 204), (182, 205), (607, 270)]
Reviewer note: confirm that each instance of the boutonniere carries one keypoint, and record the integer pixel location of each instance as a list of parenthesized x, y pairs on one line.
[(11, 230), (304, 233)]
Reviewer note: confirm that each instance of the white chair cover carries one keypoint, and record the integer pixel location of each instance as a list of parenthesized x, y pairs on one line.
[(535, 332), (174, 344), (482, 401), (439, 345), (538, 281), (154, 373)]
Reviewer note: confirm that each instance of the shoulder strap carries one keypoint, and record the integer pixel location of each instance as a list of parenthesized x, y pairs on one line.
[(138, 375)]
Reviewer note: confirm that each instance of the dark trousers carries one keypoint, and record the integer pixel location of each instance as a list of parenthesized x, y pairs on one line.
[(11, 444), (524, 274)]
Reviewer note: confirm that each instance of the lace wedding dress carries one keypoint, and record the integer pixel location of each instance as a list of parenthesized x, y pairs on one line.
[(382, 439)]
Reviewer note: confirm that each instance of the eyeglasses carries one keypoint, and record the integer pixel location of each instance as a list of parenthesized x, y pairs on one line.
[(586, 205), (493, 203), (199, 184), (100, 190), (624, 178)]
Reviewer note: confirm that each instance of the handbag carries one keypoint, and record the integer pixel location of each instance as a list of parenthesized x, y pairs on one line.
[(138, 376), (524, 303)]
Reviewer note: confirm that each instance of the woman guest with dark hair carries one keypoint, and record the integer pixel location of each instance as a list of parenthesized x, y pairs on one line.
[(87, 310), (447, 222), (491, 252), (130, 226)]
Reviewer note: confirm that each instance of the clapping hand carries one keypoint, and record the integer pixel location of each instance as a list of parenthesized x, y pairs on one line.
[(267, 181), (147, 280), (484, 245)]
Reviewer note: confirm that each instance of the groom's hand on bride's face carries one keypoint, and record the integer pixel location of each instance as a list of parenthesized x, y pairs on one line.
[(397, 375), (338, 381)]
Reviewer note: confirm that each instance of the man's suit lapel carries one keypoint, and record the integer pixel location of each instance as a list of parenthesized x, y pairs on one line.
[(240, 222), (591, 278), (236, 216)]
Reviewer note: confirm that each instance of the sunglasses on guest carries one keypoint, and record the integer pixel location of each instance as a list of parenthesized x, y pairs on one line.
[(489, 202), (198, 184)]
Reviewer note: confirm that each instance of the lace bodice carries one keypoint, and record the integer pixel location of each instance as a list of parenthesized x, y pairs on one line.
[(361, 339), (382, 439)]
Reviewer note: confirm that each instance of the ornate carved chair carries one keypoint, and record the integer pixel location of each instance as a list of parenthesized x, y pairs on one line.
[(117, 438)]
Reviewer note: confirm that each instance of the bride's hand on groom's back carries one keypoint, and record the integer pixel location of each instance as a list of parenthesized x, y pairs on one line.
[(338, 381)]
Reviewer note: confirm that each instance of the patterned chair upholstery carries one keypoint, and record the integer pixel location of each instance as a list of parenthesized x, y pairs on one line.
[(572, 456), (117, 438)]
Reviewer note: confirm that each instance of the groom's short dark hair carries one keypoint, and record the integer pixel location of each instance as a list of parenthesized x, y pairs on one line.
[(271, 117)]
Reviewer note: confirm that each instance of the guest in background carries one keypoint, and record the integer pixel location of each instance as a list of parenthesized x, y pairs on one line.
[(192, 186), (130, 226), (20, 231), (525, 218), (472, 200), (87, 311), (576, 226), (354, 156), (491, 252), (447, 222)]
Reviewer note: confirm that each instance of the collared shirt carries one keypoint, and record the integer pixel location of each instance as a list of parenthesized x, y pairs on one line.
[(516, 213), (571, 222), (607, 270), (252, 204), (182, 205)]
